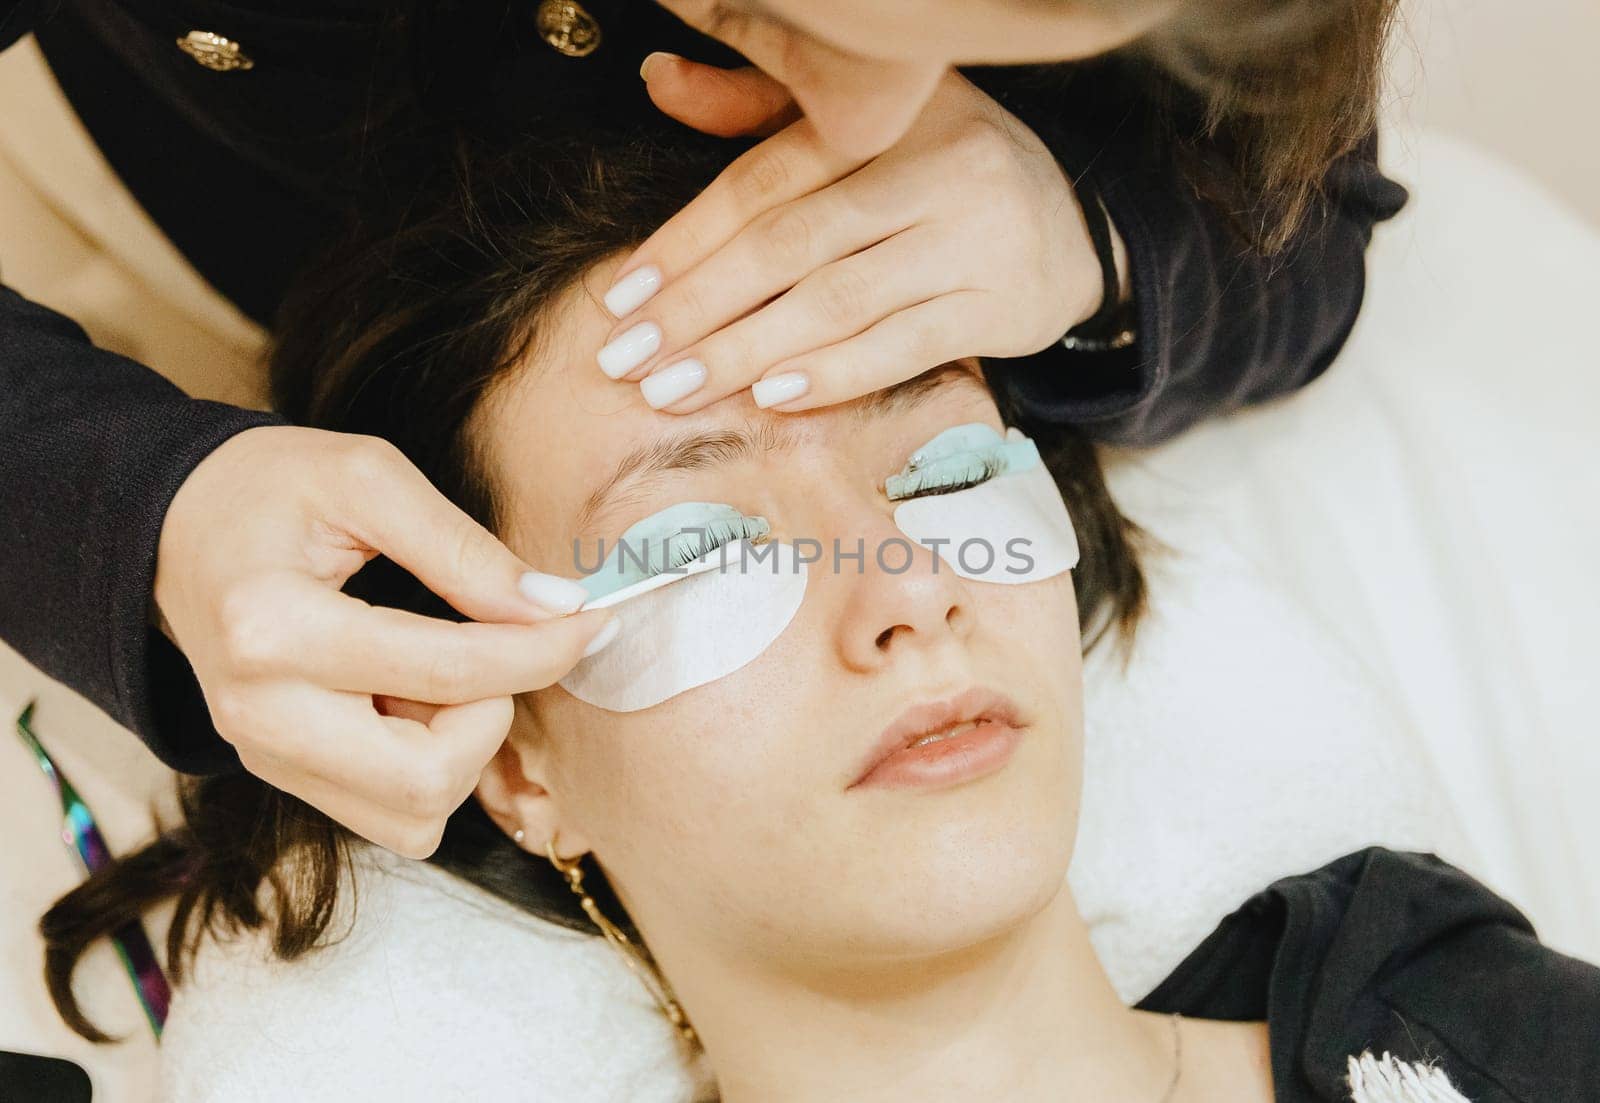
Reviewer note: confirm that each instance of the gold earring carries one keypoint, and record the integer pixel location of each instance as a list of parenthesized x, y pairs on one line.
[(632, 956)]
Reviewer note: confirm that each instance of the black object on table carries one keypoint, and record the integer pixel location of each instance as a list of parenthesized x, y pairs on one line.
[(30, 1078)]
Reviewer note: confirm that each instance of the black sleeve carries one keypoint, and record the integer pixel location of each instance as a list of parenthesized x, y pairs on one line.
[(1383, 952), (92, 449), (1219, 324), (17, 18), (1425, 962)]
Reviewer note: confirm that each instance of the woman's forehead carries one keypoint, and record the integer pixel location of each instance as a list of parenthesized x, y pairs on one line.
[(557, 429)]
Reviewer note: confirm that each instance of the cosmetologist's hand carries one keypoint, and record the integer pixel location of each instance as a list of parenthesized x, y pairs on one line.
[(815, 277), (253, 552)]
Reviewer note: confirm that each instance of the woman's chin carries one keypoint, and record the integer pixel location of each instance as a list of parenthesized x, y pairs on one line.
[(968, 887), (951, 869)]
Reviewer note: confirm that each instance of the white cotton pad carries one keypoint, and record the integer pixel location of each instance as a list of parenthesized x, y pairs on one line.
[(1014, 528), (695, 625)]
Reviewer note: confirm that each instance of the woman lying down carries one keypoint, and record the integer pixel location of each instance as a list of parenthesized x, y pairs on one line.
[(822, 787)]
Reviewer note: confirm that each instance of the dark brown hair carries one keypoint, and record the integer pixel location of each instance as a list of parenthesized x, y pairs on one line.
[(1263, 96), (437, 293)]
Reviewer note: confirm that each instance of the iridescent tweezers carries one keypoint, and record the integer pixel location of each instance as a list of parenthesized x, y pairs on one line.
[(79, 832)]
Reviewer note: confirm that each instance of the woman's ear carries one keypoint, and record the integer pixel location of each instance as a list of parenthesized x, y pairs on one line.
[(513, 792)]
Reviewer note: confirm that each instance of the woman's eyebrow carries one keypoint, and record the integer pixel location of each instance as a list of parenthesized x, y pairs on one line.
[(686, 451), (696, 451), (911, 393)]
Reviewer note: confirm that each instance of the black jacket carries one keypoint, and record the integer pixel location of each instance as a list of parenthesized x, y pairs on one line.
[(245, 172), (1382, 952)]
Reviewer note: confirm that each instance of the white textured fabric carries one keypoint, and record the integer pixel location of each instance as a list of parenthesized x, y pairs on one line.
[(1434, 500), (1242, 743), (1389, 1080), (437, 993)]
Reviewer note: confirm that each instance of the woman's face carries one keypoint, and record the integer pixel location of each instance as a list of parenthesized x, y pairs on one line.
[(862, 71), (736, 813)]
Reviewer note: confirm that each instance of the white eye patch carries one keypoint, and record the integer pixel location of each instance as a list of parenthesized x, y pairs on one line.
[(691, 626), (1012, 528), (994, 515)]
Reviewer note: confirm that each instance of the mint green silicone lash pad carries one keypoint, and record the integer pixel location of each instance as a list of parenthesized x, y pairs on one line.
[(1010, 528)]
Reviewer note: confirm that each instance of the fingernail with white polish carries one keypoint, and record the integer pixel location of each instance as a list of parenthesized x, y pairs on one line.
[(603, 638), (650, 60), (554, 594), (630, 349), (780, 389), (667, 386), (633, 291)]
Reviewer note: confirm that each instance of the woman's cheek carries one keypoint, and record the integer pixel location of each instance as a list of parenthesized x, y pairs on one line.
[(713, 760), (1034, 627), (1032, 618)]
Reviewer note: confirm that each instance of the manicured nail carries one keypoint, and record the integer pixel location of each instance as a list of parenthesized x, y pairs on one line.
[(603, 638), (551, 593), (630, 349), (667, 386), (651, 59), (633, 291), (780, 389)]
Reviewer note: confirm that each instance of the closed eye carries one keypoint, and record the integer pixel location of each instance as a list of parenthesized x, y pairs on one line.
[(690, 543), (946, 476)]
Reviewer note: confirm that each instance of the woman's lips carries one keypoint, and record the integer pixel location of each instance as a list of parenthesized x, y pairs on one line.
[(944, 743)]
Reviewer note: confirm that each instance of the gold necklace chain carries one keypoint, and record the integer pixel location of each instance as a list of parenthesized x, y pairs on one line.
[(1177, 1059)]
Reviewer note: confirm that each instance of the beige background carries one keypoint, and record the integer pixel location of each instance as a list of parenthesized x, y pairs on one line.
[(1520, 78)]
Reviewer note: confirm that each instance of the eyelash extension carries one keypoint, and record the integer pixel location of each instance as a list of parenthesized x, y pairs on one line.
[(978, 470), (686, 546)]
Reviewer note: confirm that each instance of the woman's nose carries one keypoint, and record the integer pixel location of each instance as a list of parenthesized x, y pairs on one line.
[(901, 598)]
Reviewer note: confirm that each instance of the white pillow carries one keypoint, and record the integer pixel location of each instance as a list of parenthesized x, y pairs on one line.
[(1243, 742), (1435, 500)]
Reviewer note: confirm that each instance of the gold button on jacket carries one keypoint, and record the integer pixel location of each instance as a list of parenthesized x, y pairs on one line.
[(568, 28), (215, 52)]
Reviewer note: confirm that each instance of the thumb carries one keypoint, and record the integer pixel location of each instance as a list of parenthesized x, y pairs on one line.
[(723, 102), (393, 508)]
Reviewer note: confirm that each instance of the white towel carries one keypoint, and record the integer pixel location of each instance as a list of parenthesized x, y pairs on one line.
[(438, 993)]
